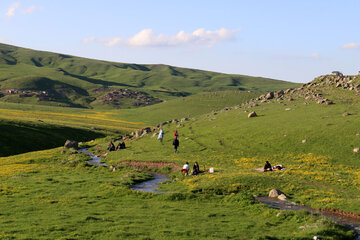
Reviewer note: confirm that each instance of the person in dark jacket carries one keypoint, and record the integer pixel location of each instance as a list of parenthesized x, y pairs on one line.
[(267, 166), (176, 144), (111, 146), (196, 169)]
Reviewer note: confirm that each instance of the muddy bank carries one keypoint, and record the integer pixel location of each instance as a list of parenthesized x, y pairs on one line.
[(142, 165)]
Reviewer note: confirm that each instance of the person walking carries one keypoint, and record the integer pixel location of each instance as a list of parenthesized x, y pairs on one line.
[(161, 135), (176, 144)]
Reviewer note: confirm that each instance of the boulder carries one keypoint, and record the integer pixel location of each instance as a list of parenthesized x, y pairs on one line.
[(71, 144), (269, 95), (303, 141), (252, 114), (356, 150), (345, 114), (275, 193)]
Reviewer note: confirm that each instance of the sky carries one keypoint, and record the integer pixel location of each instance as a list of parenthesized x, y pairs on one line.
[(295, 40)]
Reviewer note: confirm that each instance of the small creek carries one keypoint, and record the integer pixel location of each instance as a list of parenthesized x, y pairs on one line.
[(94, 158), (145, 186), (353, 223), (151, 185)]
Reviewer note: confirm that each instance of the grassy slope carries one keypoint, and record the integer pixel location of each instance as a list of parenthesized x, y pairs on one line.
[(18, 137), (26, 125), (323, 173), (28, 69)]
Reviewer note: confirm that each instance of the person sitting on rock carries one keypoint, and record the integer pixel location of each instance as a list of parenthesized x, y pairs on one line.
[(185, 169), (267, 166), (111, 146), (196, 169), (122, 146)]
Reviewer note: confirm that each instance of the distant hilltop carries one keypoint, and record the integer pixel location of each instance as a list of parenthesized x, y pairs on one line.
[(47, 78)]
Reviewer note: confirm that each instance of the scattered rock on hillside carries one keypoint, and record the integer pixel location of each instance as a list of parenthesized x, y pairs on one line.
[(275, 192), (71, 144), (303, 141), (252, 114), (287, 109), (270, 95), (356, 150)]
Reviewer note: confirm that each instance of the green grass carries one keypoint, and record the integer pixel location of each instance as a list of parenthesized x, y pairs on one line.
[(56, 199), (72, 80), (20, 137), (86, 202)]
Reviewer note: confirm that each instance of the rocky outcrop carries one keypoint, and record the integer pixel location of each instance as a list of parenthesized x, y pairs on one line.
[(71, 144)]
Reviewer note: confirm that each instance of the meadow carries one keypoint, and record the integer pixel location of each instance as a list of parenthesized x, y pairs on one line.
[(54, 194)]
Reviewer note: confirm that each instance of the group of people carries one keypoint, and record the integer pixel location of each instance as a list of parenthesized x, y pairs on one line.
[(268, 167), (175, 143), (111, 146), (186, 168)]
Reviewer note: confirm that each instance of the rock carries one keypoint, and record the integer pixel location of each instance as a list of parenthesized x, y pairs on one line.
[(356, 150), (287, 109), (303, 141), (269, 95), (184, 119), (357, 134), (345, 114), (275, 192), (290, 99), (252, 114), (282, 197), (71, 144), (146, 130), (278, 214)]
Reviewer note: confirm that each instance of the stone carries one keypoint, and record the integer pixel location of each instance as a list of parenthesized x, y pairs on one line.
[(269, 95), (356, 150), (345, 114), (252, 114), (282, 197), (287, 109), (184, 119), (275, 192), (303, 141), (71, 144)]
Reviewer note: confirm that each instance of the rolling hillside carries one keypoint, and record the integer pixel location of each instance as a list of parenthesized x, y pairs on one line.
[(36, 77)]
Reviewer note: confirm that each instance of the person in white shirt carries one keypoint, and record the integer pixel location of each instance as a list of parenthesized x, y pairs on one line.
[(185, 169)]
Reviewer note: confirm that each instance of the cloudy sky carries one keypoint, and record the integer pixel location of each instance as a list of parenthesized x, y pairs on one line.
[(288, 40)]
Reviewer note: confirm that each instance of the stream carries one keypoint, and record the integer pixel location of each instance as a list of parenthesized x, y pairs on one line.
[(151, 185), (353, 223), (95, 160)]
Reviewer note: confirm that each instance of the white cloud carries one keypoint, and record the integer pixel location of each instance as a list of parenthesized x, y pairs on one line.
[(147, 38), (29, 10), (106, 41), (11, 10), (351, 45)]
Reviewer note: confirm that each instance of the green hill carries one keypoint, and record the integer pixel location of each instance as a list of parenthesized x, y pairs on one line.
[(47, 78)]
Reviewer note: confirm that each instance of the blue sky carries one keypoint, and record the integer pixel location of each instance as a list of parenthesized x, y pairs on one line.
[(288, 40)]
